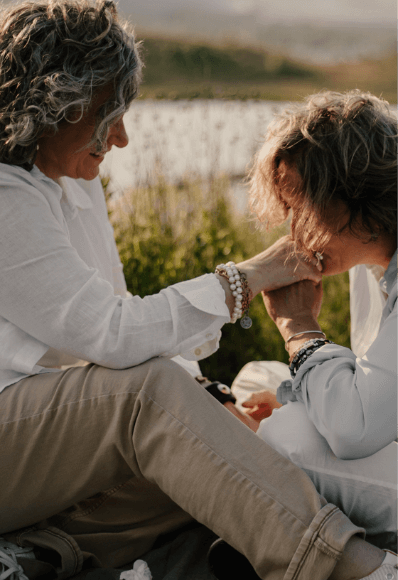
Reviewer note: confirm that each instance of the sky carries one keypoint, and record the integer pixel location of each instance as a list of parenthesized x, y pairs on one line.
[(318, 31), (380, 12)]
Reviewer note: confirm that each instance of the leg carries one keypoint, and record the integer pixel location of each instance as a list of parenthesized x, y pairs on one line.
[(68, 436), (364, 489)]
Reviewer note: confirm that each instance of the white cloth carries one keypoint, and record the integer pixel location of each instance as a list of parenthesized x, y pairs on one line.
[(367, 302), (63, 295), (140, 571), (258, 376)]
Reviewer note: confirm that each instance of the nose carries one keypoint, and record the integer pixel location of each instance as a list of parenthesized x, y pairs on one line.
[(117, 135)]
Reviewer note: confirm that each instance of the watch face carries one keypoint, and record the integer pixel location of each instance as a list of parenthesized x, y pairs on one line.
[(246, 322)]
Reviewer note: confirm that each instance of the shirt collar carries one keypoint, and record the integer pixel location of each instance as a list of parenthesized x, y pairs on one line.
[(390, 275), (75, 195), (72, 193)]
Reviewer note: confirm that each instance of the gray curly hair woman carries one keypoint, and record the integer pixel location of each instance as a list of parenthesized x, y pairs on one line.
[(54, 55)]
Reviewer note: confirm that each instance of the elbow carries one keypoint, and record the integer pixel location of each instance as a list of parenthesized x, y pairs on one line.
[(350, 448), (342, 452), (115, 360), (117, 364)]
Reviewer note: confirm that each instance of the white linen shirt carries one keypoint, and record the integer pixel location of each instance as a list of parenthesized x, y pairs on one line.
[(63, 295), (352, 400)]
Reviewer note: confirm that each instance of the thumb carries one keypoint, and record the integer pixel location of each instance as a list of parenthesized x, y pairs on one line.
[(248, 403)]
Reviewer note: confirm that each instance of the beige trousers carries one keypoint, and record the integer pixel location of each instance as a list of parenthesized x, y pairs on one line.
[(111, 459)]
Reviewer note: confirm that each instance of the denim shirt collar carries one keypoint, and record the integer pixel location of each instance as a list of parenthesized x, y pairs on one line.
[(390, 276)]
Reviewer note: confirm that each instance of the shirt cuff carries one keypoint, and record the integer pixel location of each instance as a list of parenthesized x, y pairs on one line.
[(323, 354), (284, 392), (205, 293)]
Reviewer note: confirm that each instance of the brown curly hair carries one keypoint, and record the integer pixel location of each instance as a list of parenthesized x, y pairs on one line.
[(344, 148)]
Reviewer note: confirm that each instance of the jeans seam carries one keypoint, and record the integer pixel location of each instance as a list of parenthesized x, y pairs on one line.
[(69, 404), (314, 540), (83, 513), (76, 556), (51, 531)]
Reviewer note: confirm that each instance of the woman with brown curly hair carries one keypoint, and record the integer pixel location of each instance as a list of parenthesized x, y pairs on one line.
[(114, 459)]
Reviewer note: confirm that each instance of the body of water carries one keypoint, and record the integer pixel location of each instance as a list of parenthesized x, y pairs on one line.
[(189, 138)]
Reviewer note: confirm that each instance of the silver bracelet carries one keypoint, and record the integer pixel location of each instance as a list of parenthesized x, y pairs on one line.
[(304, 332)]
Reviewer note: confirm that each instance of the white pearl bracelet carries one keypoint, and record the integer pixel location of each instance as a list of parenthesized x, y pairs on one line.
[(235, 284)]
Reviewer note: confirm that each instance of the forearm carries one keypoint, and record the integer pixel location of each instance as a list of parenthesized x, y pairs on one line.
[(276, 267), (296, 332), (352, 402)]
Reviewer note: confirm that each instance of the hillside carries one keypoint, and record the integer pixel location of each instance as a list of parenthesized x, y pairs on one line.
[(184, 70)]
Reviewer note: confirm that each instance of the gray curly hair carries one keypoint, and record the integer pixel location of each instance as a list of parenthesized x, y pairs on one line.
[(344, 148), (54, 55)]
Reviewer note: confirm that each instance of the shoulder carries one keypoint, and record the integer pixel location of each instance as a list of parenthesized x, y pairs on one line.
[(12, 176)]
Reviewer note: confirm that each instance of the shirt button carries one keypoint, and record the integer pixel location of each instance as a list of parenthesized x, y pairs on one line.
[(198, 351)]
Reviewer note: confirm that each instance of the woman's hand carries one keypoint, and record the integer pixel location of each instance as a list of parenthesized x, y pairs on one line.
[(279, 266), (246, 419), (260, 405), (294, 309)]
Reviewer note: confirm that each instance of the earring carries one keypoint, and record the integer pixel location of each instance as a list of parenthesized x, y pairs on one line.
[(319, 257)]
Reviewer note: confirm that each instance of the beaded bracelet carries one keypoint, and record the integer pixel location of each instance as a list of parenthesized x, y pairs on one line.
[(240, 291), (304, 352)]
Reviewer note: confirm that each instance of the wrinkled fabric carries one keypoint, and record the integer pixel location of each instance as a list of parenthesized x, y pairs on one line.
[(351, 400), (63, 296), (140, 571)]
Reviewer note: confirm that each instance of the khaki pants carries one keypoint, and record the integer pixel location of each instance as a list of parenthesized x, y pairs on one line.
[(111, 459)]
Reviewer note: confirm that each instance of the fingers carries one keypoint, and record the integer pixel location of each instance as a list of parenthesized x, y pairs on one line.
[(260, 412), (257, 398), (249, 421), (251, 401)]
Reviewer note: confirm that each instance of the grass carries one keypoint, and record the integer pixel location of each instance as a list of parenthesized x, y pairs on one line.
[(184, 70)]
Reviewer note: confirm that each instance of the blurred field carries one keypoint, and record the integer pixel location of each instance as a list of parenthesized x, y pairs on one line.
[(183, 70), (169, 233)]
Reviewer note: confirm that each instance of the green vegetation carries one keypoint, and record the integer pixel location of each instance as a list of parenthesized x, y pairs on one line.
[(170, 233), (176, 60), (187, 70)]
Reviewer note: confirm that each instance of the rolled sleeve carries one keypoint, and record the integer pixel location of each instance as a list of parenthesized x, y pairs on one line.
[(352, 401)]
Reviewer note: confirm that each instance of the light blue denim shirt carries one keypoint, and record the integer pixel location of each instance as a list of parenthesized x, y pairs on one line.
[(352, 401)]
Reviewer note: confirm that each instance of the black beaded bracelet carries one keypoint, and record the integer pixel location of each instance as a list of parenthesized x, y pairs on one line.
[(304, 352)]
